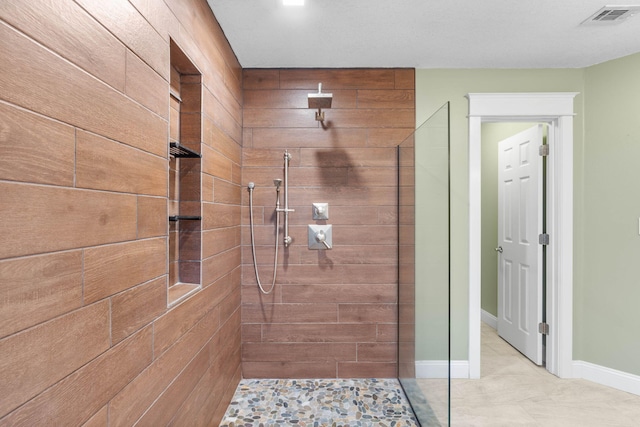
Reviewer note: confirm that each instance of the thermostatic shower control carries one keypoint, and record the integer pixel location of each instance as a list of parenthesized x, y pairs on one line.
[(321, 211), (320, 237)]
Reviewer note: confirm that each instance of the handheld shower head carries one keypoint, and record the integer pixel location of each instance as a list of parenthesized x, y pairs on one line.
[(277, 182), (251, 186)]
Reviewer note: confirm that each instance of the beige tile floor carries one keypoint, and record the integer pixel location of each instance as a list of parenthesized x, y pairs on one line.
[(512, 391)]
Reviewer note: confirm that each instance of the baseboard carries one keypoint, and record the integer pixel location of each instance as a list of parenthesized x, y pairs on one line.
[(439, 369), (589, 371), (489, 319), (607, 376)]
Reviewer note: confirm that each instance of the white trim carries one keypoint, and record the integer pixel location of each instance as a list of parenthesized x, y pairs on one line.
[(475, 227), (432, 369), (521, 105), (557, 110), (607, 376), (489, 319)]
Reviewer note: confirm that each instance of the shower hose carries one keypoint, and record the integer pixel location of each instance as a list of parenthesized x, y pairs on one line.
[(253, 244)]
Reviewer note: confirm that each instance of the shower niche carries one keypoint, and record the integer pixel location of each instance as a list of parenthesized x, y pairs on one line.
[(185, 189)]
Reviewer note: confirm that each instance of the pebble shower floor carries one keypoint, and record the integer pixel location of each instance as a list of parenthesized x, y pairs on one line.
[(319, 403)]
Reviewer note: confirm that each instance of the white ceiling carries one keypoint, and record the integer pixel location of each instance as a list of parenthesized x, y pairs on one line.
[(423, 33)]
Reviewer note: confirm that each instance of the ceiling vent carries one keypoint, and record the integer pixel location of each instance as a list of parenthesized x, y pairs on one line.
[(612, 15)]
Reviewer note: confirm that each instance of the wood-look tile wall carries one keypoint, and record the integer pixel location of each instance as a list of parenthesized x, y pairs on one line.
[(333, 313), (85, 333)]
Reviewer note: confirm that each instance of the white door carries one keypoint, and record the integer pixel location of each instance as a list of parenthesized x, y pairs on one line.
[(520, 254)]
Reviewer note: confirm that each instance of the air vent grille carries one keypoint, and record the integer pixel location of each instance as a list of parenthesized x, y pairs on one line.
[(612, 15)]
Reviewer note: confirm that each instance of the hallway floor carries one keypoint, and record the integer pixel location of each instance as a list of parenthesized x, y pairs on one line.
[(515, 392), (319, 403)]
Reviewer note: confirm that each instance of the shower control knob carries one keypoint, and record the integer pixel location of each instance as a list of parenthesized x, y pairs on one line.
[(320, 211), (322, 238)]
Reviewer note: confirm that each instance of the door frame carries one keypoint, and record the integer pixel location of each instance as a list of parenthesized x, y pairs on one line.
[(556, 109)]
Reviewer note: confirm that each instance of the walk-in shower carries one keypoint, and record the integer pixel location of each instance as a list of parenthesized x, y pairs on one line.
[(287, 238)]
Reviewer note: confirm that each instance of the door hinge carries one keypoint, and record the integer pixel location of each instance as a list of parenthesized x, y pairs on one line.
[(543, 150), (543, 328), (543, 239)]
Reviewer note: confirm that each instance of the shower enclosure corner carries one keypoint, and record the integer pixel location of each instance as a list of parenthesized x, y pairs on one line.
[(424, 269)]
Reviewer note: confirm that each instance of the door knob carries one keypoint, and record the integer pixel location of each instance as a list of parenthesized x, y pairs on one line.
[(499, 249)]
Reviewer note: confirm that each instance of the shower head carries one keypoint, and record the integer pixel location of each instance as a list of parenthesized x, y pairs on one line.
[(277, 182), (319, 100)]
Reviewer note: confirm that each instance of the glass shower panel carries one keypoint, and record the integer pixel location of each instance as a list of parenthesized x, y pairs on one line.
[(423, 269)]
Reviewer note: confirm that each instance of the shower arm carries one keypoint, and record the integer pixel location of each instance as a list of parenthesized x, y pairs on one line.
[(286, 210)]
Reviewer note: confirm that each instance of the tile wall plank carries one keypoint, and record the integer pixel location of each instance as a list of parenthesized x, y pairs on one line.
[(166, 406), (219, 240), (219, 265), (41, 81), (367, 370), (136, 307), (99, 419), (146, 86), (386, 98), (77, 397), (77, 37), (261, 79), (39, 288), (215, 138), (337, 79), (113, 268), (319, 332), (103, 164), (308, 352), (132, 29), (49, 352), (296, 98), (70, 218), (152, 217), (35, 149), (138, 395), (340, 293), (216, 164), (158, 15), (226, 193), (405, 78), (367, 313), (318, 369), (289, 313), (181, 318), (310, 138)]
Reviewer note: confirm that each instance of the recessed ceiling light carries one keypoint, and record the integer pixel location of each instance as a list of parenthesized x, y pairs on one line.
[(293, 2)]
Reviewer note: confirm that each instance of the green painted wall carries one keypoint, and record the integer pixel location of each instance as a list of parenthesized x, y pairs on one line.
[(432, 240), (606, 197), (434, 88), (609, 303)]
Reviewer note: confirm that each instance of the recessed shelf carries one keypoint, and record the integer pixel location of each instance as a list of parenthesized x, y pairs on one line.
[(185, 218), (177, 150), (181, 291), (175, 94)]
